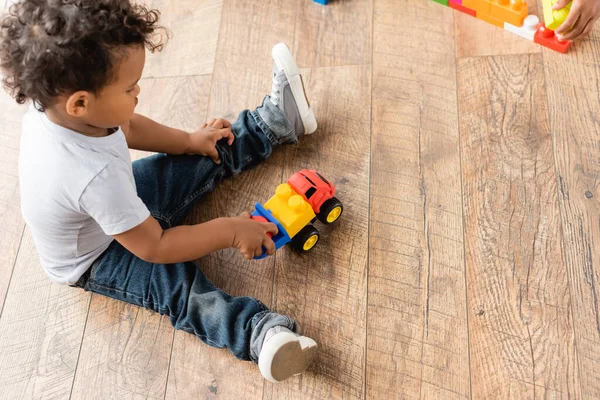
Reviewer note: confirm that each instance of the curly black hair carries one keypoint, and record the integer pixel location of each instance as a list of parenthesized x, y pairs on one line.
[(54, 47)]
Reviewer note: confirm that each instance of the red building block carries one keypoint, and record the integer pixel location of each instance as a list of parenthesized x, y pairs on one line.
[(461, 8), (547, 38), (459, 2), (511, 11)]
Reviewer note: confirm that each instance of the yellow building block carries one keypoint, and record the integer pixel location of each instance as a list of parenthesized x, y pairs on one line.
[(290, 209), (554, 18)]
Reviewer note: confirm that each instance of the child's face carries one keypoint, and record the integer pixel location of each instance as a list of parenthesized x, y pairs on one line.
[(114, 104)]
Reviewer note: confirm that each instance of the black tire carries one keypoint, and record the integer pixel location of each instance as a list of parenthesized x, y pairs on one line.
[(328, 207), (303, 236)]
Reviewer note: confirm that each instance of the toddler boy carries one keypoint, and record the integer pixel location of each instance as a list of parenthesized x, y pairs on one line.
[(113, 228)]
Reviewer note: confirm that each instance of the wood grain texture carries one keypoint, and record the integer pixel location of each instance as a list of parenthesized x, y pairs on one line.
[(333, 35), (13, 225), (126, 350), (241, 79), (520, 309), (125, 353), (417, 343), (194, 29), (40, 332), (326, 291), (573, 102), (475, 37), (396, 308), (176, 102)]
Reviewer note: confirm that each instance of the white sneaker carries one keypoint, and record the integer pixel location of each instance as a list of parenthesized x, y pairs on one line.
[(284, 354), (288, 91)]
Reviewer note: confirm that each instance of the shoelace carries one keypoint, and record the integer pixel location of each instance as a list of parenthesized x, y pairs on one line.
[(276, 88)]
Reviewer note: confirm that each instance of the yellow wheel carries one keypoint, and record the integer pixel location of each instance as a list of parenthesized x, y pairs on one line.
[(330, 211), (334, 215), (306, 239), (310, 242)]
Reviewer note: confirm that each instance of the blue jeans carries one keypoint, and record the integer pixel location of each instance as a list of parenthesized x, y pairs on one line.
[(169, 186)]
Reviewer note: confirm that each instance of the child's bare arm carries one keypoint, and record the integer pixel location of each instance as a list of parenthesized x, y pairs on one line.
[(142, 133), (581, 19), (151, 243)]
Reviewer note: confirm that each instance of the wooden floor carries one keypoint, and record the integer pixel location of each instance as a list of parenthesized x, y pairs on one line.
[(467, 263)]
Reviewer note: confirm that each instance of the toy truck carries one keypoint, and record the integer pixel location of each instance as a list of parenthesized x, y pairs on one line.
[(306, 197)]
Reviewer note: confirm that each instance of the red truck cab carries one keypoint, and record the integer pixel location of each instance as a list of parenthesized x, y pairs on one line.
[(319, 193)]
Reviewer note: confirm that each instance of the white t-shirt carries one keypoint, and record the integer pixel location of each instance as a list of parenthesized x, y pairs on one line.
[(76, 191)]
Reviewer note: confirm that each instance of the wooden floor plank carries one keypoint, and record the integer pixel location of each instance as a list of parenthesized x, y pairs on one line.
[(520, 308), (125, 353), (194, 29), (475, 37), (417, 324), (11, 231), (572, 87), (126, 350), (333, 35), (241, 79), (325, 291), (41, 323), (40, 332)]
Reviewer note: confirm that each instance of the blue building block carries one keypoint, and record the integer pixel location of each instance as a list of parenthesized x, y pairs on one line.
[(281, 239), (324, 2)]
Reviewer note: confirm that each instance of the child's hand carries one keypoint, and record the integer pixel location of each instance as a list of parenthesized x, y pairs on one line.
[(205, 140), (250, 236), (581, 19)]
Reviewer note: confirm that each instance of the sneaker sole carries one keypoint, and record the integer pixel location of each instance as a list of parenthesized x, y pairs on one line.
[(285, 356), (285, 61)]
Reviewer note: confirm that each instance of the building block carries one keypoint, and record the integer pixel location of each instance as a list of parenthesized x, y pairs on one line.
[(290, 209), (263, 215), (324, 2), (554, 18), (460, 8), (527, 30), (511, 15), (482, 7), (547, 38), (511, 11), (490, 19), (472, 4), (442, 2)]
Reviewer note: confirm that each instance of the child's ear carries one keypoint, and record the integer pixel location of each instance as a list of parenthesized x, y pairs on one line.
[(78, 103)]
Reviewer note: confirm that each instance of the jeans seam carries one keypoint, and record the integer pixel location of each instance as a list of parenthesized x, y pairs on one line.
[(187, 201), (158, 216), (265, 128), (275, 140), (192, 332), (99, 285), (260, 305)]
